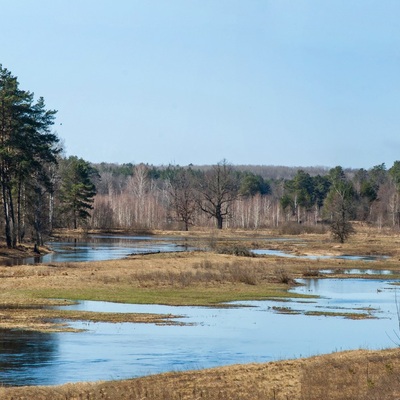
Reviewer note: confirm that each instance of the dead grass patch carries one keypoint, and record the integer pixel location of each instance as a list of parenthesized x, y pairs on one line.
[(352, 376)]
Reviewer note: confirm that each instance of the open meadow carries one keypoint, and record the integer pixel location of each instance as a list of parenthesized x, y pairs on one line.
[(222, 270)]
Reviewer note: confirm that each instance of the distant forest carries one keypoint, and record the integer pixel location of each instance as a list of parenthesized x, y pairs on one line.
[(247, 197), (42, 189)]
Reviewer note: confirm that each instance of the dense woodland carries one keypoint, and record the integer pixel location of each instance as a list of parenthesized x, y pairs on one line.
[(42, 189), (248, 197)]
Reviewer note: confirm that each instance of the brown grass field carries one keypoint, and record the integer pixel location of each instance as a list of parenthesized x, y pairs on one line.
[(205, 278)]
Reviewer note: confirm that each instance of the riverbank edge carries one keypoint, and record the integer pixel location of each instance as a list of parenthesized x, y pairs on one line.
[(356, 375)]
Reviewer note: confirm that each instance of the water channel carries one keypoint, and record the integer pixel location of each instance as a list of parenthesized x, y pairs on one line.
[(105, 247), (209, 337)]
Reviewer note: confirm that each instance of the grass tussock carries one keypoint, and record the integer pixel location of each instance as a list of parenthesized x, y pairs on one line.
[(204, 272)]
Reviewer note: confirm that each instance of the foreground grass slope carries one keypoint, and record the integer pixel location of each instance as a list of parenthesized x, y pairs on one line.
[(354, 375)]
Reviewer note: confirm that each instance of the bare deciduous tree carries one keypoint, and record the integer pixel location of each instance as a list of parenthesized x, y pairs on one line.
[(183, 200), (218, 189)]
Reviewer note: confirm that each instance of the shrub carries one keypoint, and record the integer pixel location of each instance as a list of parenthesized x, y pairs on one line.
[(283, 277)]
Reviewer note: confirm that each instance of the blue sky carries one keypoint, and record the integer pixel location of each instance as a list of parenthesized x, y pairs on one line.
[(296, 83)]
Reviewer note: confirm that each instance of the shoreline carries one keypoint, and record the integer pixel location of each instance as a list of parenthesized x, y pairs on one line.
[(355, 374)]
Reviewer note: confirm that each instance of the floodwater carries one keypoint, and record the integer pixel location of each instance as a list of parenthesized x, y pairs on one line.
[(280, 253), (253, 331), (110, 247), (210, 337), (105, 247)]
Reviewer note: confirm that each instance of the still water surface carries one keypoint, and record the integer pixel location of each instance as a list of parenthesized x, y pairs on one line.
[(212, 337), (106, 247)]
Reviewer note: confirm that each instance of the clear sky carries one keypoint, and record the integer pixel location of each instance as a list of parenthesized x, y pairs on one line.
[(273, 82)]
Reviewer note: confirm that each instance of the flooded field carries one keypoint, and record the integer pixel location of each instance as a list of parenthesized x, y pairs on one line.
[(255, 331), (344, 314)]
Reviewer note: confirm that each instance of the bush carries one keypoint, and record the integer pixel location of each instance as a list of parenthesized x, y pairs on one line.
[(283, 277)]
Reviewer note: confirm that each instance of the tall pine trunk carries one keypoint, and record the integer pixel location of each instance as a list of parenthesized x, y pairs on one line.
[(6, 216)]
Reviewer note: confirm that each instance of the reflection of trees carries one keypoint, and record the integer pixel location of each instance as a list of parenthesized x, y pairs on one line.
[(24, 355), (91, 248), (312, 284)]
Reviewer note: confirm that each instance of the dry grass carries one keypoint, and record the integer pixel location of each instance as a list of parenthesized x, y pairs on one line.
[(356, 375), (43, 320), (353, 375)]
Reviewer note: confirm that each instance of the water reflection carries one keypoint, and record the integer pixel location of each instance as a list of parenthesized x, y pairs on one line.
[(25, 355), (216, 337)]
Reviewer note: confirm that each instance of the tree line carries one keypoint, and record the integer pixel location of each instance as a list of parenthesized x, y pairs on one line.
[(223, 195), (42, 189)]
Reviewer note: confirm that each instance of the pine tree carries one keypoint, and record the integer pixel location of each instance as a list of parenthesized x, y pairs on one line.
[(26, 147), (340, 204), (77, 189)]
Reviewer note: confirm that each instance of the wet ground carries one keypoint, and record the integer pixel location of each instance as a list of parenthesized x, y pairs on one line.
[(209, 337), (256, 331)]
